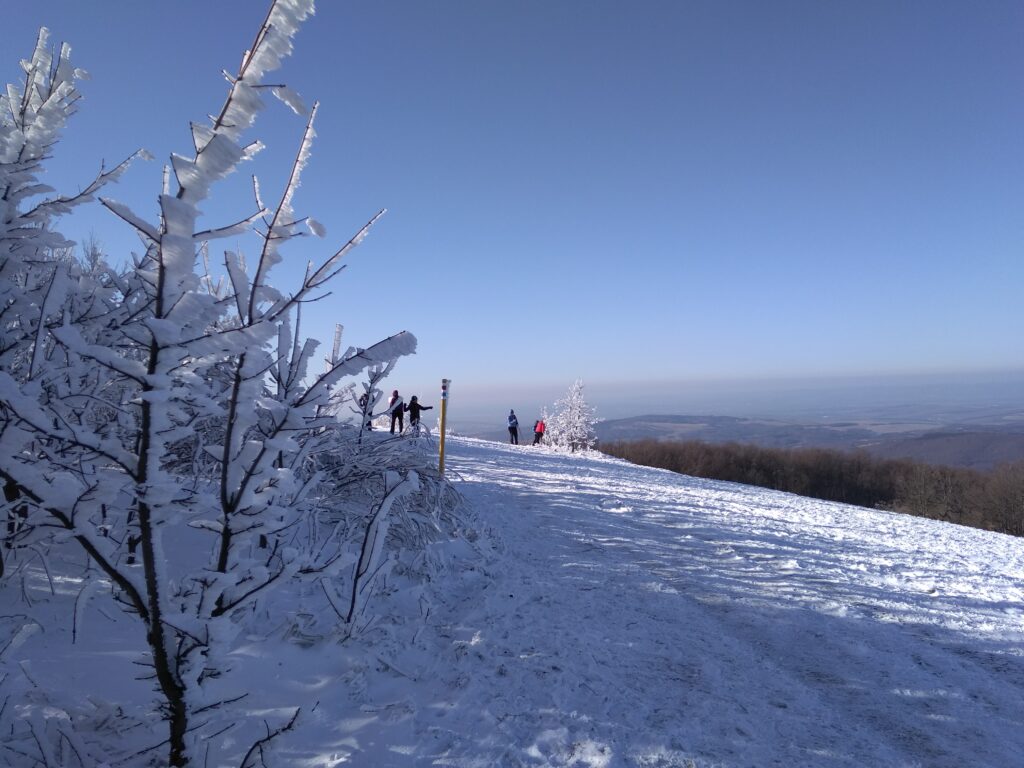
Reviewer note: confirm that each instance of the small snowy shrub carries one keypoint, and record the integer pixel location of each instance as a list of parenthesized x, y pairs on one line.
[(571, 428)]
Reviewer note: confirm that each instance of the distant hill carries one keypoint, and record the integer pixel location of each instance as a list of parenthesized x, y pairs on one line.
[(721, 429), (973, 446), (971, 449)]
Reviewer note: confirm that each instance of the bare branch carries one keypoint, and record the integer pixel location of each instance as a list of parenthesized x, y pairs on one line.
[(256, 750)]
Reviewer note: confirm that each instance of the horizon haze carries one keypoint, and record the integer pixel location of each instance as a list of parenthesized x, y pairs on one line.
[(943, 398)]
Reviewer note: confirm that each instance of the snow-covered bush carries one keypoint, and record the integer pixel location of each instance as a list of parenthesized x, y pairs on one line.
[(157, 404), (571, 427)]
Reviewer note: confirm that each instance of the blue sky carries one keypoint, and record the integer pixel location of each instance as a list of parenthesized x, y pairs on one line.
[(645, 195)]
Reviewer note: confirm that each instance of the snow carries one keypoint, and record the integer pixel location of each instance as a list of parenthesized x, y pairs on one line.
[(291, 98), (612, 615), (315, 227)]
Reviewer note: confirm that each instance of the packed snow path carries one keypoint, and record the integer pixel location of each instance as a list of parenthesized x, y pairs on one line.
[(638, 617)]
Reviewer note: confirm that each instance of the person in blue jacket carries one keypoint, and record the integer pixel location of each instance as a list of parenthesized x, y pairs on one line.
[(513, 428)]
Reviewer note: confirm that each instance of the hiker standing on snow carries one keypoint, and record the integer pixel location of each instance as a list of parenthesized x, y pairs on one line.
[(414, 409), (513, 428), (397, 406), (538, 431)]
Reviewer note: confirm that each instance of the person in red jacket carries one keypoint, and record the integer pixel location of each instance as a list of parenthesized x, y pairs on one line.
[(538, 431)]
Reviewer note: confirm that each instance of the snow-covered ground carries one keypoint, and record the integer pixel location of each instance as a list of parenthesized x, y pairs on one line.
[(616, 615)]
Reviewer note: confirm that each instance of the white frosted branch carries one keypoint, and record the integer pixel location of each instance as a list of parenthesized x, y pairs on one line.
[(125, 213)]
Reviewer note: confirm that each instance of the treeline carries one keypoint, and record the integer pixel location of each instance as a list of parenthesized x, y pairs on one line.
[(990, 500)]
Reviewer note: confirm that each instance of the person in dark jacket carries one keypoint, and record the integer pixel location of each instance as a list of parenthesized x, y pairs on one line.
[(513, 428), (397, 407), (414, 409)]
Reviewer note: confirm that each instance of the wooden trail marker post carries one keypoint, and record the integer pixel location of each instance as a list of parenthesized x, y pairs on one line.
[(444, 414)]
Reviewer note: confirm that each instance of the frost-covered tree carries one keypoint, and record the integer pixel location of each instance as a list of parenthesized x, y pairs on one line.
[(571, 427), (34, 262), (153, 402)]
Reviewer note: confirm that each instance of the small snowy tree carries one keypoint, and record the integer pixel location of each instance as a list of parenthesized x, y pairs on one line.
[(155, 402), (572, 425)]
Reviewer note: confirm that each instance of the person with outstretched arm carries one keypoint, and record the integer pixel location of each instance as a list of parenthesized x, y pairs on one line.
[(414, 409)]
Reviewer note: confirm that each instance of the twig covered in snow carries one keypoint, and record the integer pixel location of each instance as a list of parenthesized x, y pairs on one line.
[(259, 749)]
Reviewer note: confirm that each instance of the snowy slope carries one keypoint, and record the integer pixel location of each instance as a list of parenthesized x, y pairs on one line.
[(624, 616)]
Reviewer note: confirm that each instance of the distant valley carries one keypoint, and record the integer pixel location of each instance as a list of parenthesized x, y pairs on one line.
[(973, 441)]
